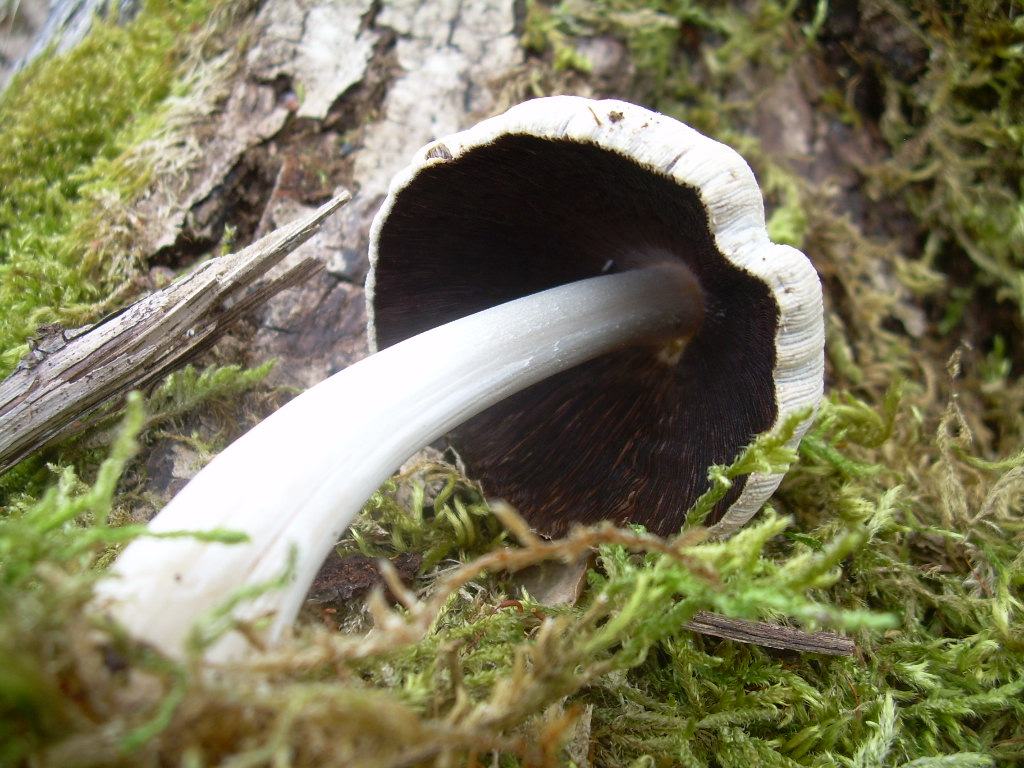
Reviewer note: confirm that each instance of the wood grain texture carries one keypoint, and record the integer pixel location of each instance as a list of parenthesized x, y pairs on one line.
[(68, 374), (771, 635)]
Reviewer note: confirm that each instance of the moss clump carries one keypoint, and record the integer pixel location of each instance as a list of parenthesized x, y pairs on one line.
[(68, 124), (474, 667), (46, 548), (954, 119)]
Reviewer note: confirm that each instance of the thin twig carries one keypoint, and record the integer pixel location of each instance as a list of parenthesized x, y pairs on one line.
[(771, 635)]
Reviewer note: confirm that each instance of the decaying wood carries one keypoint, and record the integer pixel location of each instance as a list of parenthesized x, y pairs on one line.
[(68, 374), (771, 635)]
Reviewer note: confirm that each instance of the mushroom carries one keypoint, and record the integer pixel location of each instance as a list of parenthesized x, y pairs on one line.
[(503, 260), (564, 188)]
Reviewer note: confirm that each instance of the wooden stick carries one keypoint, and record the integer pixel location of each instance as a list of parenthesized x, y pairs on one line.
[(69, 374), (771, 635)]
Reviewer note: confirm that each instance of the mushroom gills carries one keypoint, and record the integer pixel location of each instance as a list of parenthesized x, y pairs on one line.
[(293, 483), (629, 437)]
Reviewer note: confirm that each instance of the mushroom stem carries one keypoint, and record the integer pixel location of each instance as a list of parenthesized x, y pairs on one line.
[(294, 482)]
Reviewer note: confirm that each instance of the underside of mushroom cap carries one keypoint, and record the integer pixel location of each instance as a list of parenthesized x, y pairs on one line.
[(563, 188)]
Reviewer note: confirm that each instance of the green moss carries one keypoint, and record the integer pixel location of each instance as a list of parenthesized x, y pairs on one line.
[(483, 668), (46, 547), (956, 130), (67, 125)]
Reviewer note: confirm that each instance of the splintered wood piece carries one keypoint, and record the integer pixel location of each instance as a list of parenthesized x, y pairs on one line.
[(69, 374)]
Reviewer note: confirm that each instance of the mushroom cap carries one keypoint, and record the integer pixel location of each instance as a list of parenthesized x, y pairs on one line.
[(562, 188)]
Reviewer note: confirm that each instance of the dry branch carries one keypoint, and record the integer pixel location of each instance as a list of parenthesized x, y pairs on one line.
[(68, 374)]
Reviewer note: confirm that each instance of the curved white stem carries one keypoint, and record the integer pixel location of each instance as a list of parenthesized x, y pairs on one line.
[(296, 479)]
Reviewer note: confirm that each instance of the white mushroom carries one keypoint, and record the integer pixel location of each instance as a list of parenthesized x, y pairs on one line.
[(525, 211)]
